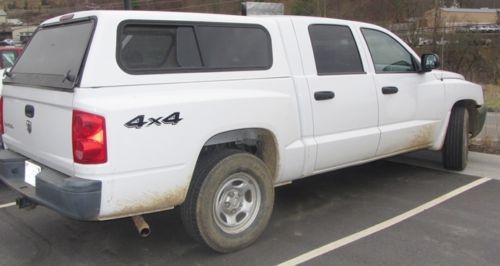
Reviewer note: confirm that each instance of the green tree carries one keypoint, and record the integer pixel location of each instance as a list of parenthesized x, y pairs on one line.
[(135, 4), (12, 5), (309, 7)]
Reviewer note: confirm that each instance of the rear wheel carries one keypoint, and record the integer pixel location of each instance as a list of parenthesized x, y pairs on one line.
[(456, 145), (230, 200)]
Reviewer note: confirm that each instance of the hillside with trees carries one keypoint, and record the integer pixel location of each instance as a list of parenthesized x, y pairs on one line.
[(474, 55), (378, 11)]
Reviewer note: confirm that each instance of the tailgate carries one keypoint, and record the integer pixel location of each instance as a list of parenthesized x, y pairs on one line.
[(38, 93), (37, 125)]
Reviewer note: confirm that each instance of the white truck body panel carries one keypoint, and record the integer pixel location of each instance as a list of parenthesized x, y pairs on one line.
[(49, 142), (341, 137), (150, 169), (129, 167)]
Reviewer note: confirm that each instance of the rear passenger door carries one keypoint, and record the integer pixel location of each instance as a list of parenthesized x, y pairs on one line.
[(342, 95)]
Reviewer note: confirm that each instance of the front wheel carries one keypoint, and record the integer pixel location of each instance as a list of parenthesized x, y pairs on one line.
[(456, 144), (230, 200)]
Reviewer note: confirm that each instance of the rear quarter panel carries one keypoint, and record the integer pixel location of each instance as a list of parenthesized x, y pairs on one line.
[(149, 169), (153, 164)]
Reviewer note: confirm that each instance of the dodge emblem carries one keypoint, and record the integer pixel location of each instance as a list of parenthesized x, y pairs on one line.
[(28, 126)]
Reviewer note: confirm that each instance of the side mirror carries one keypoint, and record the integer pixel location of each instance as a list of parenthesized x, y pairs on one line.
[(429, 62)]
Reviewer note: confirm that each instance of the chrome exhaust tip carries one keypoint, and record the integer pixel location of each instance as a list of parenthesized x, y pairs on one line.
[(141, 225)]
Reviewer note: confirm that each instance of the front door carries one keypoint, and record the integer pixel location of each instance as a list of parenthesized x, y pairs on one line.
[(411, 104)]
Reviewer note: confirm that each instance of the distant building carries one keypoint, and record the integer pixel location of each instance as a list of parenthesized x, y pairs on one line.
[(256, 8), (5, 34), (3, 17), (14, 21), (22, 33), (450, 17)]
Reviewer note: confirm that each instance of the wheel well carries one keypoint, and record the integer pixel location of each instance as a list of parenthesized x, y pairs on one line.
[(259, 142), (471, 106)]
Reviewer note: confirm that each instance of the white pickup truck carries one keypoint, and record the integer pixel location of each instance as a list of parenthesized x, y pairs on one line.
[(112, 114)]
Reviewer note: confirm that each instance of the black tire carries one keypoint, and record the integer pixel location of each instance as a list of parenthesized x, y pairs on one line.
[(456, 144), (204, 213)]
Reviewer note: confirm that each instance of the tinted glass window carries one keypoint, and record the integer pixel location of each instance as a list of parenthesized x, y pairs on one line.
[(388, 55), (8, 58), (54, 56), (335, 50), (163, 48), (235, 47), (187, 48), (149, 47)]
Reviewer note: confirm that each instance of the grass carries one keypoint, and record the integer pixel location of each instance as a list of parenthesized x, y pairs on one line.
[(492, 97)]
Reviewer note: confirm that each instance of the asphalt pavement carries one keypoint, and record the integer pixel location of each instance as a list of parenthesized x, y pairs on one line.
[(462, 231), (479, 164), (310, 213)]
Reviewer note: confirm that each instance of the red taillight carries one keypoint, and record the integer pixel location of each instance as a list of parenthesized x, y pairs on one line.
[(1, 115), (89, 138)]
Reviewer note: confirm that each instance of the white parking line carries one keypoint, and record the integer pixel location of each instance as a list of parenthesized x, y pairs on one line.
[(383, 225), (7, 205)]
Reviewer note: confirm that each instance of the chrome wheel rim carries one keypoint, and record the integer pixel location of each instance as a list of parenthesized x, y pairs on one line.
[(237, 203)]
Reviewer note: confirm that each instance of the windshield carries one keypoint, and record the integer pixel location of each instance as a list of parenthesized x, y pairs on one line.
[(54, 56)]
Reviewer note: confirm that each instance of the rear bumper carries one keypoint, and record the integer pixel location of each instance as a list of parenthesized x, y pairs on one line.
[(71, 196)]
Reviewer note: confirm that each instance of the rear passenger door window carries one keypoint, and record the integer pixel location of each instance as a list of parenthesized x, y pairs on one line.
[(160, 48), (388, 55), (335, 50)]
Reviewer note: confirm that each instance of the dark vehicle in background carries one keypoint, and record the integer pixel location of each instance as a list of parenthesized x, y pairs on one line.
[(9, 56)]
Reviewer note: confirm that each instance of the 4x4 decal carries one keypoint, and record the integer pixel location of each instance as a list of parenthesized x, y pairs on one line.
[(140, 121)]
